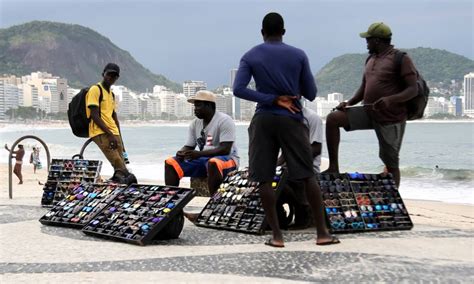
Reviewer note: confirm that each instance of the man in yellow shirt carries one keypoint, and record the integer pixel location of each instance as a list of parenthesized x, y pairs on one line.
[(104, 127)]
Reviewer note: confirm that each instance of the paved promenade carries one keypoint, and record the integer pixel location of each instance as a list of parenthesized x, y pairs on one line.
[(438, 249)]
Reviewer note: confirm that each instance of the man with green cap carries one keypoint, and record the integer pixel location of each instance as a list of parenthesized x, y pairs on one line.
[(385, 89)]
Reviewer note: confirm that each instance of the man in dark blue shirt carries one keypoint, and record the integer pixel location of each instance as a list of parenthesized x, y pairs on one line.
[(282, 75)]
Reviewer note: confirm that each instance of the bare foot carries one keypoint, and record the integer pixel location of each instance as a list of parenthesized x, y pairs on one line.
[(21, 182)]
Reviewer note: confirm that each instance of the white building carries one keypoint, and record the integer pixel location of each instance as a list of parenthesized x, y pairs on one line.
[(190, 88), (184, 109), (335, 97), (468, 88), (127, 102), (153, 106), (10, 95), (322, 106)]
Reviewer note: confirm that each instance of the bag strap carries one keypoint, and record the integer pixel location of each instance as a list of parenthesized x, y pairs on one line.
[(398, 61), (101, 97)]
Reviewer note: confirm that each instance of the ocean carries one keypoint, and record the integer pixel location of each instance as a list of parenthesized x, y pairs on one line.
[(448, 145)]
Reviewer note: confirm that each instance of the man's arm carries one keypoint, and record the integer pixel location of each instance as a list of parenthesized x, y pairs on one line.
[(242, 79), (358, 97), (307, 84), (114, 116), (223, 149), (95, 116)]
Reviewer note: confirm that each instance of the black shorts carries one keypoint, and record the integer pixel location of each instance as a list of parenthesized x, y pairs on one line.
[(268, 133)]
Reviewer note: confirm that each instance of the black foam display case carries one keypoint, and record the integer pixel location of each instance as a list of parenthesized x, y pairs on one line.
[(82, 205), (356, 202), (66, 174), (237, 205), (139, 212)]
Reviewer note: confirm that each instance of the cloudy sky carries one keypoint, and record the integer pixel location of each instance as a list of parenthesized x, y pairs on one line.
[(203, 40)]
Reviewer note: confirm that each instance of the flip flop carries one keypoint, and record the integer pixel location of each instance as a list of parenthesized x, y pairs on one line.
[(272, 244), (333, 241)]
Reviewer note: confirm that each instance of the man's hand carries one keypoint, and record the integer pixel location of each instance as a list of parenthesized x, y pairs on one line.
[(112, 141), (180, 155), (382, 103), (342, 106), (6, 146), (287, 103), (191, 154)]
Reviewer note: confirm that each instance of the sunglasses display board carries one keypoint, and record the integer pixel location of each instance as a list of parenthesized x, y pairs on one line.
[(237, 205), (357, 202), (79, 207), (138, 213), (66, 174)]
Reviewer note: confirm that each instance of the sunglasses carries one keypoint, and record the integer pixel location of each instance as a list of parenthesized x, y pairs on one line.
[(331, 202), (201, 141)]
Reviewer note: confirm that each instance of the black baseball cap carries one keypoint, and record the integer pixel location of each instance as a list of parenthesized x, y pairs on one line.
[(112, 68)]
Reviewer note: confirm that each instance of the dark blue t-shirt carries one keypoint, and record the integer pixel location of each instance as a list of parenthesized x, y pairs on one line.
[(278, 69)]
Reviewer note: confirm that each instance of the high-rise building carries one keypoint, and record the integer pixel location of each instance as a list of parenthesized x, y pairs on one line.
[(236, 109), (190, 88), (469, 94), (184, 109), (335, 97), (10, 95)]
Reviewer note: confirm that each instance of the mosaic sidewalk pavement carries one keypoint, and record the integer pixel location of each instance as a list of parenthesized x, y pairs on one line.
[(30, 250)]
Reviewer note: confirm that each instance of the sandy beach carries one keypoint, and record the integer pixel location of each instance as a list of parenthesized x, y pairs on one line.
[(439, 248)]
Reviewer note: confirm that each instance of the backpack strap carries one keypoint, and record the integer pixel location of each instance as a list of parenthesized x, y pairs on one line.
[(367, 60), (398, 61), (101, 97)]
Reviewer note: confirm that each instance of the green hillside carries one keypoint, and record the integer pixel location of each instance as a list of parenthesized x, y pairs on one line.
[(73, 52), (343, 74)]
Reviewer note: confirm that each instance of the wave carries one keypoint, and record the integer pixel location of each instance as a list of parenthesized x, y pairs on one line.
[(438, 173)]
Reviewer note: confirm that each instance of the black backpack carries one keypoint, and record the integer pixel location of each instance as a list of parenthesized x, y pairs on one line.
[(76, 113), (415, 106)]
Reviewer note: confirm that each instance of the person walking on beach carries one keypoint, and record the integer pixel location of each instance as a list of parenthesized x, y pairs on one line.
[(383, 93), (35, 160), (213, 132), (104, 127), (282, 74), (19, 154)]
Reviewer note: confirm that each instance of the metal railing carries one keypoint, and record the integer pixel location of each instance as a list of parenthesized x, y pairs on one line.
[(10, 157)]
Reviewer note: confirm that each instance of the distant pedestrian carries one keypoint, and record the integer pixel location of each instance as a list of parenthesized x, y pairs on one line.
[(383, 93), (18, 155), (282, 74), (35, 159)]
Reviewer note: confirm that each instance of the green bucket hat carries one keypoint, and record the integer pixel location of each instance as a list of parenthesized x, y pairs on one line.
[(378, 30)]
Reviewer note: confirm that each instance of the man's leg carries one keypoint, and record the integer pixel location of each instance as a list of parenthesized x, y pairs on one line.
[(171, 177), (313, 192), (269, 205), (396, 175), (17, 172), (114, 156), (334, 121), (214, 177), (217, 169), (390, 142)]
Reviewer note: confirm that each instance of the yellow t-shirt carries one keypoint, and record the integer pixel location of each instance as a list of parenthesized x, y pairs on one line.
[(107, 108)]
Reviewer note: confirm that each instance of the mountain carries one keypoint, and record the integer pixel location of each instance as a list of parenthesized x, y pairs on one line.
[(73, 52), (343, 74)]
